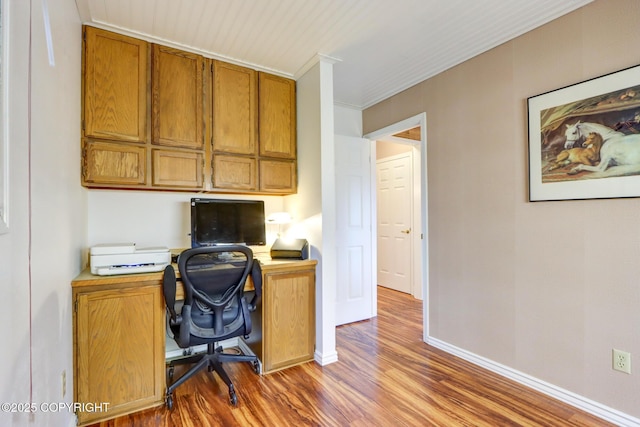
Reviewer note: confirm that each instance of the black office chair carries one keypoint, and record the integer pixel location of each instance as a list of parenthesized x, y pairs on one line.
[(214, 309)]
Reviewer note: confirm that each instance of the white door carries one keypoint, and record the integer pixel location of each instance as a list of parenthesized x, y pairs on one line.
[(395, 207), (355, 293)]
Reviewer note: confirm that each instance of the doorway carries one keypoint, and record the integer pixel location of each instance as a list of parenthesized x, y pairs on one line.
[(394, 211), (420, 268)]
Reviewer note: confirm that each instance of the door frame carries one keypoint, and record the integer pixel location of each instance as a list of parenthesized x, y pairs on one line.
[(411, 122)]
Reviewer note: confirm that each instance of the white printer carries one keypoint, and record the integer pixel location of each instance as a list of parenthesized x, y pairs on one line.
[(125, 258)]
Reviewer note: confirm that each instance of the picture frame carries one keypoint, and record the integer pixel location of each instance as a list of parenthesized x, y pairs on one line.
[(584, 139)]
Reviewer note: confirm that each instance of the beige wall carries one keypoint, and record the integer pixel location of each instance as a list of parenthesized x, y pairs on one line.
[(546, 288), (41, 254), (388, 149)]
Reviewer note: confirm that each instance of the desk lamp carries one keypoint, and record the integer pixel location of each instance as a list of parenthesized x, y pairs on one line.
[(283, 247), (279, 218)]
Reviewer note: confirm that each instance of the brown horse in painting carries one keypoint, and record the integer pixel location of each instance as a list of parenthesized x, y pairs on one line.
[(588, 154)]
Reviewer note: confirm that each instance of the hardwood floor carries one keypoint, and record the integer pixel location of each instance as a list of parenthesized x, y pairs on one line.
[(385, 376)]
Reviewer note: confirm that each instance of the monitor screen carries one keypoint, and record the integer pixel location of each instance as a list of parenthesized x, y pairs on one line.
[(215, 221)]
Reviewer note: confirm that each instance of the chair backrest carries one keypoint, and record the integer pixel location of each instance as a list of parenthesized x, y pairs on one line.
[(214, 278)]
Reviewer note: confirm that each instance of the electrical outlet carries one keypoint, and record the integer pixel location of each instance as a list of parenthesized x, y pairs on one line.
[(64, 383), (622, 361)]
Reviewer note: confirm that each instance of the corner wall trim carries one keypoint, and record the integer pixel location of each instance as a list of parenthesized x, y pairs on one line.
[(566, 396)]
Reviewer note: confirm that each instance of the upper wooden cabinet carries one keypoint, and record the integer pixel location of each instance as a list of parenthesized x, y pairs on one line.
[(234, 173), (234, 95), (277, 114), (115, 86), (278, 176), (113, 163), (158, 118), (119, 149), (177, 98), (177, 169), (235, 118)]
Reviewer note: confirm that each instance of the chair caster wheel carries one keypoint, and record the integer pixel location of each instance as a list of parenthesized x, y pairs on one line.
[(256, 367), (170, 374), (233, 399), (169, 402)]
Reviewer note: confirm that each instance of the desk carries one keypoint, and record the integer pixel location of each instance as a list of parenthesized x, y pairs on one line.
[(119, 333)]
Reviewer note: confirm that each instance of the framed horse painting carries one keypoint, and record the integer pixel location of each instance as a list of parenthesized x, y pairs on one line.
[(584, 139)]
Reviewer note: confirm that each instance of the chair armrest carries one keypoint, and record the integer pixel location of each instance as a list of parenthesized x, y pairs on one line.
[(256, 277), (184, 336), (169, 292)]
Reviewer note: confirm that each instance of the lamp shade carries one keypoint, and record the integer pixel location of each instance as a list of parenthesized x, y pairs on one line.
[(279, 218)]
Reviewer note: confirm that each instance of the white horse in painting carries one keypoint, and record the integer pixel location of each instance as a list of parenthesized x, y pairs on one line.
[(618, 149)]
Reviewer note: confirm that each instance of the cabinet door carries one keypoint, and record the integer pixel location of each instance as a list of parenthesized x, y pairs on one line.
[(234, 172), (115, 87), (277, 116), (112, 163), (289, 320), (120, 350), (278, 176), (177, 168), (177, 98), (235, 114)]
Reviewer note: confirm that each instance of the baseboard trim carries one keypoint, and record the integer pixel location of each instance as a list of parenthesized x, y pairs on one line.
[(566, 396), (325, 359)]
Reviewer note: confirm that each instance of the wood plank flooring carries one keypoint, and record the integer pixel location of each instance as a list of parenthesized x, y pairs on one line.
[(385, 376)]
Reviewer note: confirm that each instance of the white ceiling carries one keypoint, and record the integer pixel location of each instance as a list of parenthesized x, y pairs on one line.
[(381, 46)]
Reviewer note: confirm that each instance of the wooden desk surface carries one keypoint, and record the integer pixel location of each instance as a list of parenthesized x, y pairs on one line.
[(268, 265)]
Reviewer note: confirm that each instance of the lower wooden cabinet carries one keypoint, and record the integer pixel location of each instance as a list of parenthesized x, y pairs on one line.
[(119, 348), (284, 324), (119, 334)]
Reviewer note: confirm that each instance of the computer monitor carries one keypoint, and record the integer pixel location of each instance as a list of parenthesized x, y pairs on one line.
[(217, 221)]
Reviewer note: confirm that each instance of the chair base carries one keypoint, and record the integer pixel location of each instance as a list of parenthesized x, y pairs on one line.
[(212, 360)]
